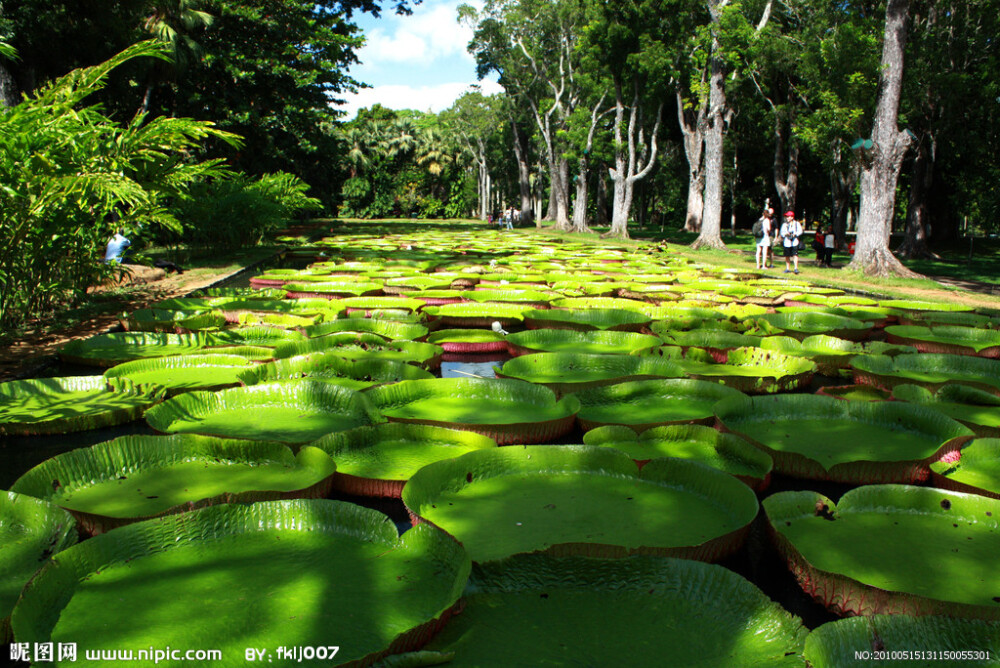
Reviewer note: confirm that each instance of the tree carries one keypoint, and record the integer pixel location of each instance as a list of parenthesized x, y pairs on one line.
[(474, 118), (885, 156)]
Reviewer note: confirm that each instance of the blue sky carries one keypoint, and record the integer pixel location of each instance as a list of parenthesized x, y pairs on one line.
[(415, 62)]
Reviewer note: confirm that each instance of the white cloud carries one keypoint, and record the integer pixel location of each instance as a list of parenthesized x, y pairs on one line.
[(422, 98), (431, 34)]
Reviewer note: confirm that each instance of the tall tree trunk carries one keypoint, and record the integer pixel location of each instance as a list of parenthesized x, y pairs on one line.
[(580, 199), (786, 173), (693, 127), (878, 179), (630, 151), (918, 224), (711, 224), (601, 215), (9, 94), (521, 153)]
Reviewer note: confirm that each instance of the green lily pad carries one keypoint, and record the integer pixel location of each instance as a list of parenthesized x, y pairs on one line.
[(377, 461), (892, 549), (572, 341), (976, 409), (726, 452), (160, 320), (134, 478), (361, 346), (369, 304), (77, 403), (388, 329), (950, 340), (975, 470), (751, 370), (302, 573), (587, 303), (334, 367), (902, 641), (644, 404), (283, 320), (717, 342), (829, 353), (256, 336), (107, 350), (535, 610), (332, 289), (509, 296), (295, 412), (581, 500), (803, 324), (469, 340), (855, 392), (182, 373), (508, 411), (571, 372), (928, 369), (586, 319), (31, 531), (912, 306), (937, 318), (477, 315), (822, 438)]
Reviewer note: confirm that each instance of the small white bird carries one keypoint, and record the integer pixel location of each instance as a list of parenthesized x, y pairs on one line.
[(498, 328)]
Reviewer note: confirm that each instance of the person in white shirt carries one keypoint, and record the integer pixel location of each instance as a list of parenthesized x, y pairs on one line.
[(116, 249), (764, 241), (829, 243), (790, 232)]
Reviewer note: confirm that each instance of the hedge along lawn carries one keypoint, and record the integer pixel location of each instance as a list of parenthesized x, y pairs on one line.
[(546, 490)]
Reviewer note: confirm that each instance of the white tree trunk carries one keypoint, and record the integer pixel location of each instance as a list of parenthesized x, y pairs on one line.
[(711, 223), (878, 179), (694, 144), (629, 153)]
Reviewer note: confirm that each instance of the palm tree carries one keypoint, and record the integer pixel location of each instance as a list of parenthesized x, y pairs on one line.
[(172, 22)]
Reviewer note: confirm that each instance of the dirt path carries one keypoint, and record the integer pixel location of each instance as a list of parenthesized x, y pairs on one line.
[(36, 350)]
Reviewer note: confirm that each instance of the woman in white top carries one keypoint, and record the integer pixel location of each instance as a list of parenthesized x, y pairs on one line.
[(764, 242)]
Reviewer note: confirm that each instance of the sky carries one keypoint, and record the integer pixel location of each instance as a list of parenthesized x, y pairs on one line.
[(415, 62)]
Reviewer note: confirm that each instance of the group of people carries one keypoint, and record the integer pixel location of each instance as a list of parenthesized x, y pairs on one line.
[(505, 220), (768, 234)]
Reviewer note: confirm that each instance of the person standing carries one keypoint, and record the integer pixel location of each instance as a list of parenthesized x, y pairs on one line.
[(762, 231), (829, 242), (790, 232)]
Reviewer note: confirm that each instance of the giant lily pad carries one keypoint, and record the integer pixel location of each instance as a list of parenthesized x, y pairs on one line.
[(976, 469), (77, 403), (581, 500), (948, 340), (180, 322), (332, 289), (567, 340), (977, 409), (355, 346), (822, 438), (718, 343), (182, 373), (535, 610), (477, 315), (333, 367), (469, 340), (138, 477), (801, 325), (726, 452), (388, 329), (377, 461), (110, 349), (508, 411), (912, 306), (751, 370), (928, 369), (829, 353), (301, 573), (296, 412), (31, 531), (572, 372), (903, 641), (255, 336), (587, 319), (644, 404), (892, 549)]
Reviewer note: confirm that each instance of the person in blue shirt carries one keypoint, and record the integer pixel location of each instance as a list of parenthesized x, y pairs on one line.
[(117, 248)]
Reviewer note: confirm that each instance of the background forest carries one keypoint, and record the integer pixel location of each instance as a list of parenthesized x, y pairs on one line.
[(661, 114)]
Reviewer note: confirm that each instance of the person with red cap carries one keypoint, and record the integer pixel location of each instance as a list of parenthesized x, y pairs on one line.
[(790, 232)]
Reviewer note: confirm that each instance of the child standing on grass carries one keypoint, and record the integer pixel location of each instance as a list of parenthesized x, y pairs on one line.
[(762, 236)]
